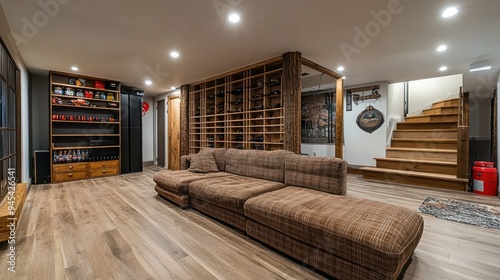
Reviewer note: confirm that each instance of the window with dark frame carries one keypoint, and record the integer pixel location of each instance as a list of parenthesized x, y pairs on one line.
[(8, 113)]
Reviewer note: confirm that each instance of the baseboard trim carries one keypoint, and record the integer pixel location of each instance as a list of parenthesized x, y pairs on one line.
[(148, 163)]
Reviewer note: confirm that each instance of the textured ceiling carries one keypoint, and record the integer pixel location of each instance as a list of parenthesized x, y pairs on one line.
[(376, 40)]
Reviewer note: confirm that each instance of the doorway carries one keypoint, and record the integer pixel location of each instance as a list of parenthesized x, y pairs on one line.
[(160, 108), (174, 117)]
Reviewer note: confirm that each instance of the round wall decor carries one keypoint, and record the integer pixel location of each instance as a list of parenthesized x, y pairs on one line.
[(370, 119)]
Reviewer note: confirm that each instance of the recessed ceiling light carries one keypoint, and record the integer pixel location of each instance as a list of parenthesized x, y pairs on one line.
[(173, 88), (343, 78), (148, 82), (443, 68), (340, 69), (174, 54), (74, 68), (442, 48), (449, 12), (234, 18)]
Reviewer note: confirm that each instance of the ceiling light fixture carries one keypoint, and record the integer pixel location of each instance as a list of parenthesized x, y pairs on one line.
[(343, 78), (449, 12), (340, 69), (480, 66), (442, 48), (234, 18), (174, 54), (148, 82), (74, 68), (173, 88), (443, 68)]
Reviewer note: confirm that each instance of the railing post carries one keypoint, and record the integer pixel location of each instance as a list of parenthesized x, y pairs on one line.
[(463, 136)]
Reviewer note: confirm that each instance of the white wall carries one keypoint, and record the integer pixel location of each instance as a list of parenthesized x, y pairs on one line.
[(359, 147), (5, 33), (423, 93), (147, 131)]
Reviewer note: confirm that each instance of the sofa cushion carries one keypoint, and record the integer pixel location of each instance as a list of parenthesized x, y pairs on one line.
[(203, 162), (326, 174), (267, 165), (220, 155), (376, 235), (178, 181), (231, 192)]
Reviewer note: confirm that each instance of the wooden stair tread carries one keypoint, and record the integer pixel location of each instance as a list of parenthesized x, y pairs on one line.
[(421, 150), (443, 107), (437, 122), (425, 129), (415, 173), (418, 161), (434, 115), (426, 140), (447, 100)]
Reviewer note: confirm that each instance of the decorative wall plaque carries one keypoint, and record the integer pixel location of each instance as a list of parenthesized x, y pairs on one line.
[(370, 119)]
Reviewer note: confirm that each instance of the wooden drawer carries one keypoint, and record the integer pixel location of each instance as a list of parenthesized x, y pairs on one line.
[(103, 164), (104, 171), (68, 176), (69, 167)]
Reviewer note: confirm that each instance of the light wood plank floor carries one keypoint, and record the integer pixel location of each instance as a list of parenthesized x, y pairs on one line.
[(117, 228)]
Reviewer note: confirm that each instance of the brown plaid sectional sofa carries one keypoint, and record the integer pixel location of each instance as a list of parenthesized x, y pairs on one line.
[(298, 205)]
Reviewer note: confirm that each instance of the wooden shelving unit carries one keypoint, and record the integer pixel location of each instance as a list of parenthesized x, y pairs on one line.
[(86, 127), (242, 109)]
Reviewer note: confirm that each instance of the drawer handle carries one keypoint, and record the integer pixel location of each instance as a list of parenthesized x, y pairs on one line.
[(70, 175), (104, 164), (104, 171), (70, 167)]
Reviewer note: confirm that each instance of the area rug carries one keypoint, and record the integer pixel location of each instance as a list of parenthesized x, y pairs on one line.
[(462, 212)]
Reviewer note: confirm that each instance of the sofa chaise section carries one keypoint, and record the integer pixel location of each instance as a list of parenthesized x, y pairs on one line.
[(346, 237), (174, 185)]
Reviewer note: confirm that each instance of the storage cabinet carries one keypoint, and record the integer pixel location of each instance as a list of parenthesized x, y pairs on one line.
[(84, 127), (242, 110)]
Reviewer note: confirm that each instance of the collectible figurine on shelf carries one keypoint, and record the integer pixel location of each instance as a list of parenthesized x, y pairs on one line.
[(70, 91), (89, 94), (80, 82), (111, 97), (72, 81), (58, 90), (79, 93)]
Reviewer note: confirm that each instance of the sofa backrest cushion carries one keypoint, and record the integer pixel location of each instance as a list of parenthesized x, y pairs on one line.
[(326, 174), (267, 165), (220, 155)]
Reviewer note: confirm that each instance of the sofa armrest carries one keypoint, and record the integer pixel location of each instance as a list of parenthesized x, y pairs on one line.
[(184, 162)]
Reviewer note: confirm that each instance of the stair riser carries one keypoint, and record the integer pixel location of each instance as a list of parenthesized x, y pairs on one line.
[(419, 167), (425, 134), (441, 111), (427, 126), (422, 145), (451, 118), (432, 156), (446, 103), (413, 180)]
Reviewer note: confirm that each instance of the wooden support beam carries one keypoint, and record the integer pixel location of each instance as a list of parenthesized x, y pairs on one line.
[(339, 122), (320, 68), (184, 129), (292, 95), (463, 136)]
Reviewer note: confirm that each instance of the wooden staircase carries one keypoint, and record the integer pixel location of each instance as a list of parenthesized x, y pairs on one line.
[(424, 149)]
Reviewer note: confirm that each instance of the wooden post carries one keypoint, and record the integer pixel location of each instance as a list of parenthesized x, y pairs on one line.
[(463, 136), (184, 129), (339, 121), (292, 93)]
